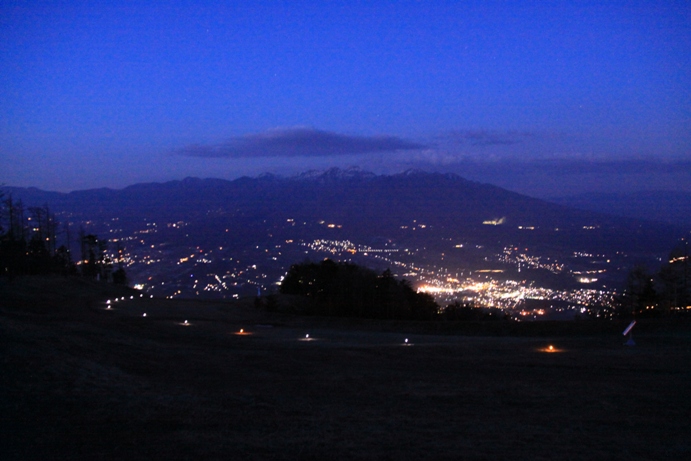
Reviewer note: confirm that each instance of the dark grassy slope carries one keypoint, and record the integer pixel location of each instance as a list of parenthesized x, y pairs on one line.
[(80, 382)]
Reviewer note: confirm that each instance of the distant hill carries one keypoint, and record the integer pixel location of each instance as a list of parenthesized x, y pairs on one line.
[(366, 203), (672, 207), (178, 232)]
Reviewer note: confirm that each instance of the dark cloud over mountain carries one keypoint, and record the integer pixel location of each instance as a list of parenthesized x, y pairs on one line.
[(489, 137), (298, 142)]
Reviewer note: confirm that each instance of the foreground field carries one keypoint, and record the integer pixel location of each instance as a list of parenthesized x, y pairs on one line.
[(80, 381)]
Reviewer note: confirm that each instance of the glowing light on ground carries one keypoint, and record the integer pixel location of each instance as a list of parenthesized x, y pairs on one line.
[(307, 338), (242, 332), (144, 315), (550, 349)]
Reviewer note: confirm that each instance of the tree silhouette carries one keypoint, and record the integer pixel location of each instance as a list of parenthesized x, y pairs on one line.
[(95, 262), (639, 297), (675, 286), (468, 312), (665, 292), (29, 245), (347, 290)]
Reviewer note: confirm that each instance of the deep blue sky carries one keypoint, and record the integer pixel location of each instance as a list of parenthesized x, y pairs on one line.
[(596, 94)]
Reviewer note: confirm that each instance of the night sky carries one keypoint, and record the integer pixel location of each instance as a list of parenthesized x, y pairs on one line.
[(546, 98)]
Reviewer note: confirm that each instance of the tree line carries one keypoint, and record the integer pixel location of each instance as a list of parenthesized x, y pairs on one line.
[(348, 290), (661, 293), (34, 242), (344, 289)]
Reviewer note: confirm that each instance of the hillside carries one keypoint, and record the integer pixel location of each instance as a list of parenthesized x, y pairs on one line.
[(363, 201), (672, 207), (429, 226), (79, 381)]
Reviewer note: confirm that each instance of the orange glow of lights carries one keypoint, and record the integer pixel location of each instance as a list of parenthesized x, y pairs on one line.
[(551, 349)]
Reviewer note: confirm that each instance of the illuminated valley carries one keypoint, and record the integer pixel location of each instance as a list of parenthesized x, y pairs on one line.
[(459, 241), (159, 261)]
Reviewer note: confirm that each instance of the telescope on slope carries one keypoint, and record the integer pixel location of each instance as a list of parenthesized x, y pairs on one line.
[(627, 331)]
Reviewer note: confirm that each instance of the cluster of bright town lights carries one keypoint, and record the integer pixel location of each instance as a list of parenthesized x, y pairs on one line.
[(510, 293)]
